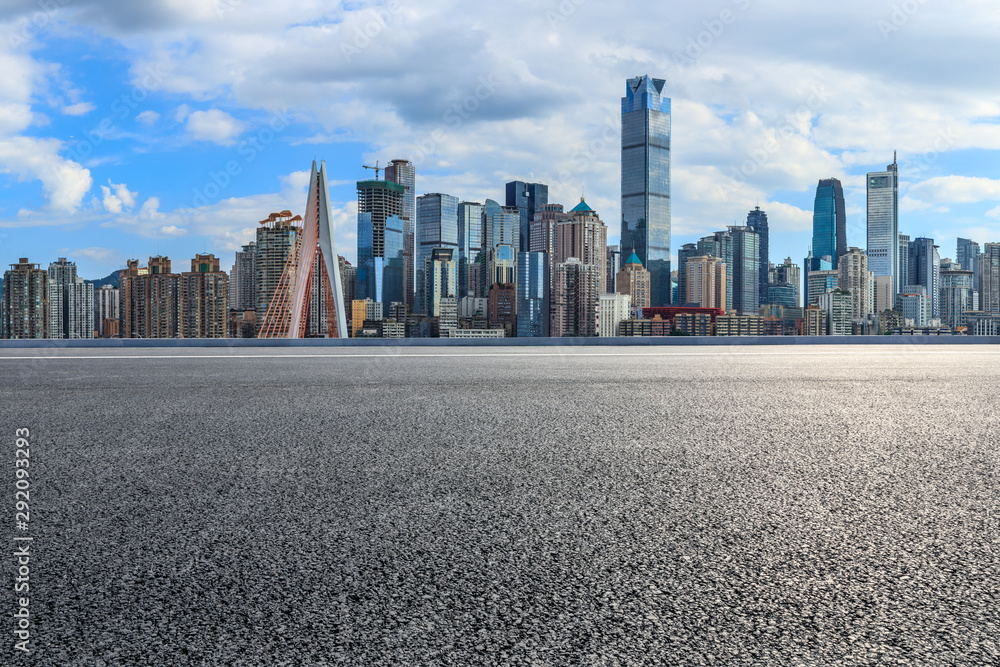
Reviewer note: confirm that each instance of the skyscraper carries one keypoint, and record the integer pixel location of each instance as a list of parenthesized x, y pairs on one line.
[(829, 221), (925, 269), (855, 277), (787, 273), (437, 227), (501, 237), (706, 282), (967, 255), (575, 298), (684, 253), (903, 262), (276, 237), (380, 241), (956, 297), (106, 310), (989, 275), (203, 299), (150, 299), (403, 173), (242, 279), (613, 267), (720, 245), (438, 278), (883, 223), (757, 221), (470, 245), (745, 269), (526, 197), (645, 178), (532, 295), (583, 236)]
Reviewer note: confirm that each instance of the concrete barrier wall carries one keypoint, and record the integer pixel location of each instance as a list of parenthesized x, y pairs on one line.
[(672, 341)]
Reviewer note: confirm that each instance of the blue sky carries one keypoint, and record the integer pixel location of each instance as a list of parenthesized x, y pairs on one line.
[(172, 126)]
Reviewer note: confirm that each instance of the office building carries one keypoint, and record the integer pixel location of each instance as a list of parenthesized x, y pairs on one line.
[(526, 198), (634, 281), (645, 181), (25, 310), (956, 297), (380, 241), (470, 246), (829, 221), (757, 221), (903, 263), (745, 269), (706, 282), (967, 255), (915, 305), (925, 269), (402, 172), (884, 294), (854, 276), (614, 265), (533, 282), (820, 282), (438, 278), (787, 273), (437, 227), (883, 223), (612, 310)]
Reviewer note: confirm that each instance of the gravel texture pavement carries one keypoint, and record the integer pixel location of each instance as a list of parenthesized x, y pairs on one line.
[(739, 506)]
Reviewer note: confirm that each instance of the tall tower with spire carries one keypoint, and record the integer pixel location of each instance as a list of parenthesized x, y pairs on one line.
[(883, 225)]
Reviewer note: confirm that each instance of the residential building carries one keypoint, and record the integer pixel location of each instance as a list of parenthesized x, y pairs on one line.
[(854, 276), (838, 306), (820, 282), (150, 301), (884, 294), (25, 310), (916, 305), (903, 263), (989, 276), (787, 273), (720, 245), (71, 302), (204, 293), (684, 253), (438, 278), (956, 297), (967, 255), (739, 325), (634, 280), (816, 321), (583, 236), (243, 279), (645, 181), (276, 238), (706, 282), (979, 323), (503, 307), (574, 296), (106, 307)]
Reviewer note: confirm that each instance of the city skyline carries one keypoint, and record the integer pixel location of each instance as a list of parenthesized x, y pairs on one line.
[(763, 137)]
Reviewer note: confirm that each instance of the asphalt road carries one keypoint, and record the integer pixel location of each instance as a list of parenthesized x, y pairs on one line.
[(736, 506)]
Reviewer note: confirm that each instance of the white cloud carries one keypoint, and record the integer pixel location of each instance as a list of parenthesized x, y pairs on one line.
[(994, 213), (148, 118), (117, 197), (215, 126), (958, 189), (80, 109), (64, 182)]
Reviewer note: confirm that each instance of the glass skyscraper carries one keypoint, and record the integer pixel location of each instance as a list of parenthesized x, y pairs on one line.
[(757, 221), (883, 225), (437, 227), (403, 173), (532, 295), (380, 242), (745, 270), (646, 181), (470, 244), (829, 221), (526, 197)]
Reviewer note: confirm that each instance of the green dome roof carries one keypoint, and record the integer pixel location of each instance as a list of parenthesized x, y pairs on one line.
[(633, 259), (582, 207)]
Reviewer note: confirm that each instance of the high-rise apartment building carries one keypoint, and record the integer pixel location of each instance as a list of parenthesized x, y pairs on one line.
[(720, 245), (706, 282), (149, 300), (745, 269), (437, 227), (25, 311), (276, 238), (106, 308), (71, 302), (989, 276), (645, 180), (575, 295), (243, 279), (502, 308), (403, 173), (684, 253), (533, 276), (902, 263), (526, 198), (883, 222), (584, 236), (634, 280), (914, 303), (381, 241), (757, 221), (829, 221), (838, 305), (854, 276), (820, 282), (470, 246), (925, 269), (203, 297)]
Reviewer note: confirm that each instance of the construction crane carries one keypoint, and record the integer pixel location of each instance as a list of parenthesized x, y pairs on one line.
[(376, 168)]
